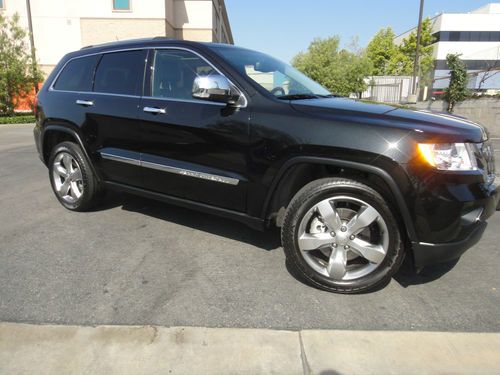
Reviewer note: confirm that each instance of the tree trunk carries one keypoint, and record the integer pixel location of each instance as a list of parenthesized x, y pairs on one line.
[(450, 106)]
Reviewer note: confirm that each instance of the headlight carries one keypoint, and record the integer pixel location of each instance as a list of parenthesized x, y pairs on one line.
[(449, 156)]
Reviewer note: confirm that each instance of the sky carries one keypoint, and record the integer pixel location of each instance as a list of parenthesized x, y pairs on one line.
[(283, 28)]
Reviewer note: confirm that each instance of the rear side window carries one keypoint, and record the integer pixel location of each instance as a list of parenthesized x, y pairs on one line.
[(77, 74), (121, 73)]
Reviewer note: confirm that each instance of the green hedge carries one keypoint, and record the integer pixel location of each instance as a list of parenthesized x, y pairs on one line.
[(17, 119)]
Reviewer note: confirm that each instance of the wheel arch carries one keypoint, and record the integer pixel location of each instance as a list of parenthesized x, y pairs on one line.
[(55, 134), (298, 171)]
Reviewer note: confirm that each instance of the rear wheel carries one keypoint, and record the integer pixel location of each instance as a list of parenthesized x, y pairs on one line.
[(73, 182), (341, 236)]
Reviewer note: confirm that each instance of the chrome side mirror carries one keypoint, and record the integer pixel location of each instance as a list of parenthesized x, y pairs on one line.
[(216, 88)]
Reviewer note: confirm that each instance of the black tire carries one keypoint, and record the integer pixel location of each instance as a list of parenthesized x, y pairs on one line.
[(312, 194), (90, 185)]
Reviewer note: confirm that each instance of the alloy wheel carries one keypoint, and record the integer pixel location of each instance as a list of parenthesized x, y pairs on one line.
[(343, 238), (67, 177)]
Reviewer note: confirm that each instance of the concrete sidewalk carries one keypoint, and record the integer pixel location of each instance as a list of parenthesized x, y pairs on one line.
[(46, 349)]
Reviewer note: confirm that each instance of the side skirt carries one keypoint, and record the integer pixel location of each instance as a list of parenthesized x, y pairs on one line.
[(250, 221)]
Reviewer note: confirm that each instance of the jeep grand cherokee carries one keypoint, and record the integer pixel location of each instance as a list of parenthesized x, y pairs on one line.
[(225, 130)]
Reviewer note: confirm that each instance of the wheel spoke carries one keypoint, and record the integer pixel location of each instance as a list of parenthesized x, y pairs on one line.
[(60, 170), (310, 241), (330, 215), (337, 263), (371, 252), (75, 190), (362, 219), (65, 187), (76, 175), (67, 162)]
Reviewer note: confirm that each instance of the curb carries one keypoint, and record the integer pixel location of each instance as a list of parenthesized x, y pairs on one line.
[(49, 349)]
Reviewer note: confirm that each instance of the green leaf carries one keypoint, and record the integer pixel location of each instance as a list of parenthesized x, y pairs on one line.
[(341, 71), (18, 72)]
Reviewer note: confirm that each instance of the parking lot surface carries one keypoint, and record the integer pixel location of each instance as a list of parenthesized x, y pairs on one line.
[(136, 261)]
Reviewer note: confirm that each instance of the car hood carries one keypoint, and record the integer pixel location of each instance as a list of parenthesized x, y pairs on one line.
[(428, 124)]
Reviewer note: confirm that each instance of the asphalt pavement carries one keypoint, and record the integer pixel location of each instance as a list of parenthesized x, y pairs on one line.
[(135, 261)]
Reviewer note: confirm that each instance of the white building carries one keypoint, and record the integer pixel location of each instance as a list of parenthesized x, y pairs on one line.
[(474, 35), (61, 26)]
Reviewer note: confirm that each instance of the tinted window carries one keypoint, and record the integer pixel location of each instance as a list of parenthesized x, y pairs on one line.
[(174, 73), (77, 74), (120, 73)]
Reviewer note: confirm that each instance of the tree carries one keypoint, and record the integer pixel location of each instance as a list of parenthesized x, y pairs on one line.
[(457, 89), (408, 49), (340, 70), (18, 71), (491, 70), (381, 51), (389, 59)]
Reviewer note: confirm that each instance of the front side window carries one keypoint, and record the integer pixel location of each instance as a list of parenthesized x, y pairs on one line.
[(121, 73), (174, 72), (280, 79), (77, 74), (121, 5)]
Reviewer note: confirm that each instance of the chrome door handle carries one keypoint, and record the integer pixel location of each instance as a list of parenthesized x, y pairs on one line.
[(155, 110), (86, 103)]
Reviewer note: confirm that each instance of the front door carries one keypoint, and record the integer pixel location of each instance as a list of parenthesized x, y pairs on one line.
[(191, 149)]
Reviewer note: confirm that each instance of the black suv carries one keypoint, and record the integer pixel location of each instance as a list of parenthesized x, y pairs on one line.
[(234, 132)]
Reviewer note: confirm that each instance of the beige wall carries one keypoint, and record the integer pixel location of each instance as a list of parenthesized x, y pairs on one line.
[(197, 35), (62, 26), (102, 30)]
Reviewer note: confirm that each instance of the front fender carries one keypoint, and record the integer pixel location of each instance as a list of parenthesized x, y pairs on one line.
[(362, 167)]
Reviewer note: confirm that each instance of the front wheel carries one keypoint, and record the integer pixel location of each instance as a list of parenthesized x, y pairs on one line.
[(341, 236)]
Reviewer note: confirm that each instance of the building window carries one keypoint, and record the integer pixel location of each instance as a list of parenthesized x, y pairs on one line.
[(2, 4), (120, 5), (467, 36)]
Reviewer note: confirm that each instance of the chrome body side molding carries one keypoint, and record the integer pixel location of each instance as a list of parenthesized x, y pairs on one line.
[(165, 165)]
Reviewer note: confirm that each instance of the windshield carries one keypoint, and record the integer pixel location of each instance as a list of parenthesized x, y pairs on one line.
[(280, 79)]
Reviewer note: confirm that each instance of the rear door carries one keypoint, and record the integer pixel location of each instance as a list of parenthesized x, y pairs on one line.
[(192, 149), (112, 122)]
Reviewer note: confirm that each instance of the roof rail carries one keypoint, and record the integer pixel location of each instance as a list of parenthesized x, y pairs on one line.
[(163, 37)]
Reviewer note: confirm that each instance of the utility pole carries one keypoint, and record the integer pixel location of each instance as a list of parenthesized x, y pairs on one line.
[(417, 49), (32, 42)]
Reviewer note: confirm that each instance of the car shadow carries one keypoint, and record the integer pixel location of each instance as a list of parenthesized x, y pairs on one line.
[(268, 240), (408, 275)]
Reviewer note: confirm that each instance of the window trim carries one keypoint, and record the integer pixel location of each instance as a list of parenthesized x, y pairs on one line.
[(117, 10), (148, 66)]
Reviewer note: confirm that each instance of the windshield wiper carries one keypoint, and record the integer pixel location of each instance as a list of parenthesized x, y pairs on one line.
[(330, 96), (298, 96), (307, 96)]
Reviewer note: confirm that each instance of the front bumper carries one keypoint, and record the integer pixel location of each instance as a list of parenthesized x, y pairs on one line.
[(425, 254), (471, 228)]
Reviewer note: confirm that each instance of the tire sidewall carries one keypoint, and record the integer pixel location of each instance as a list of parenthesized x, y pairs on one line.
[(306, 199)]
